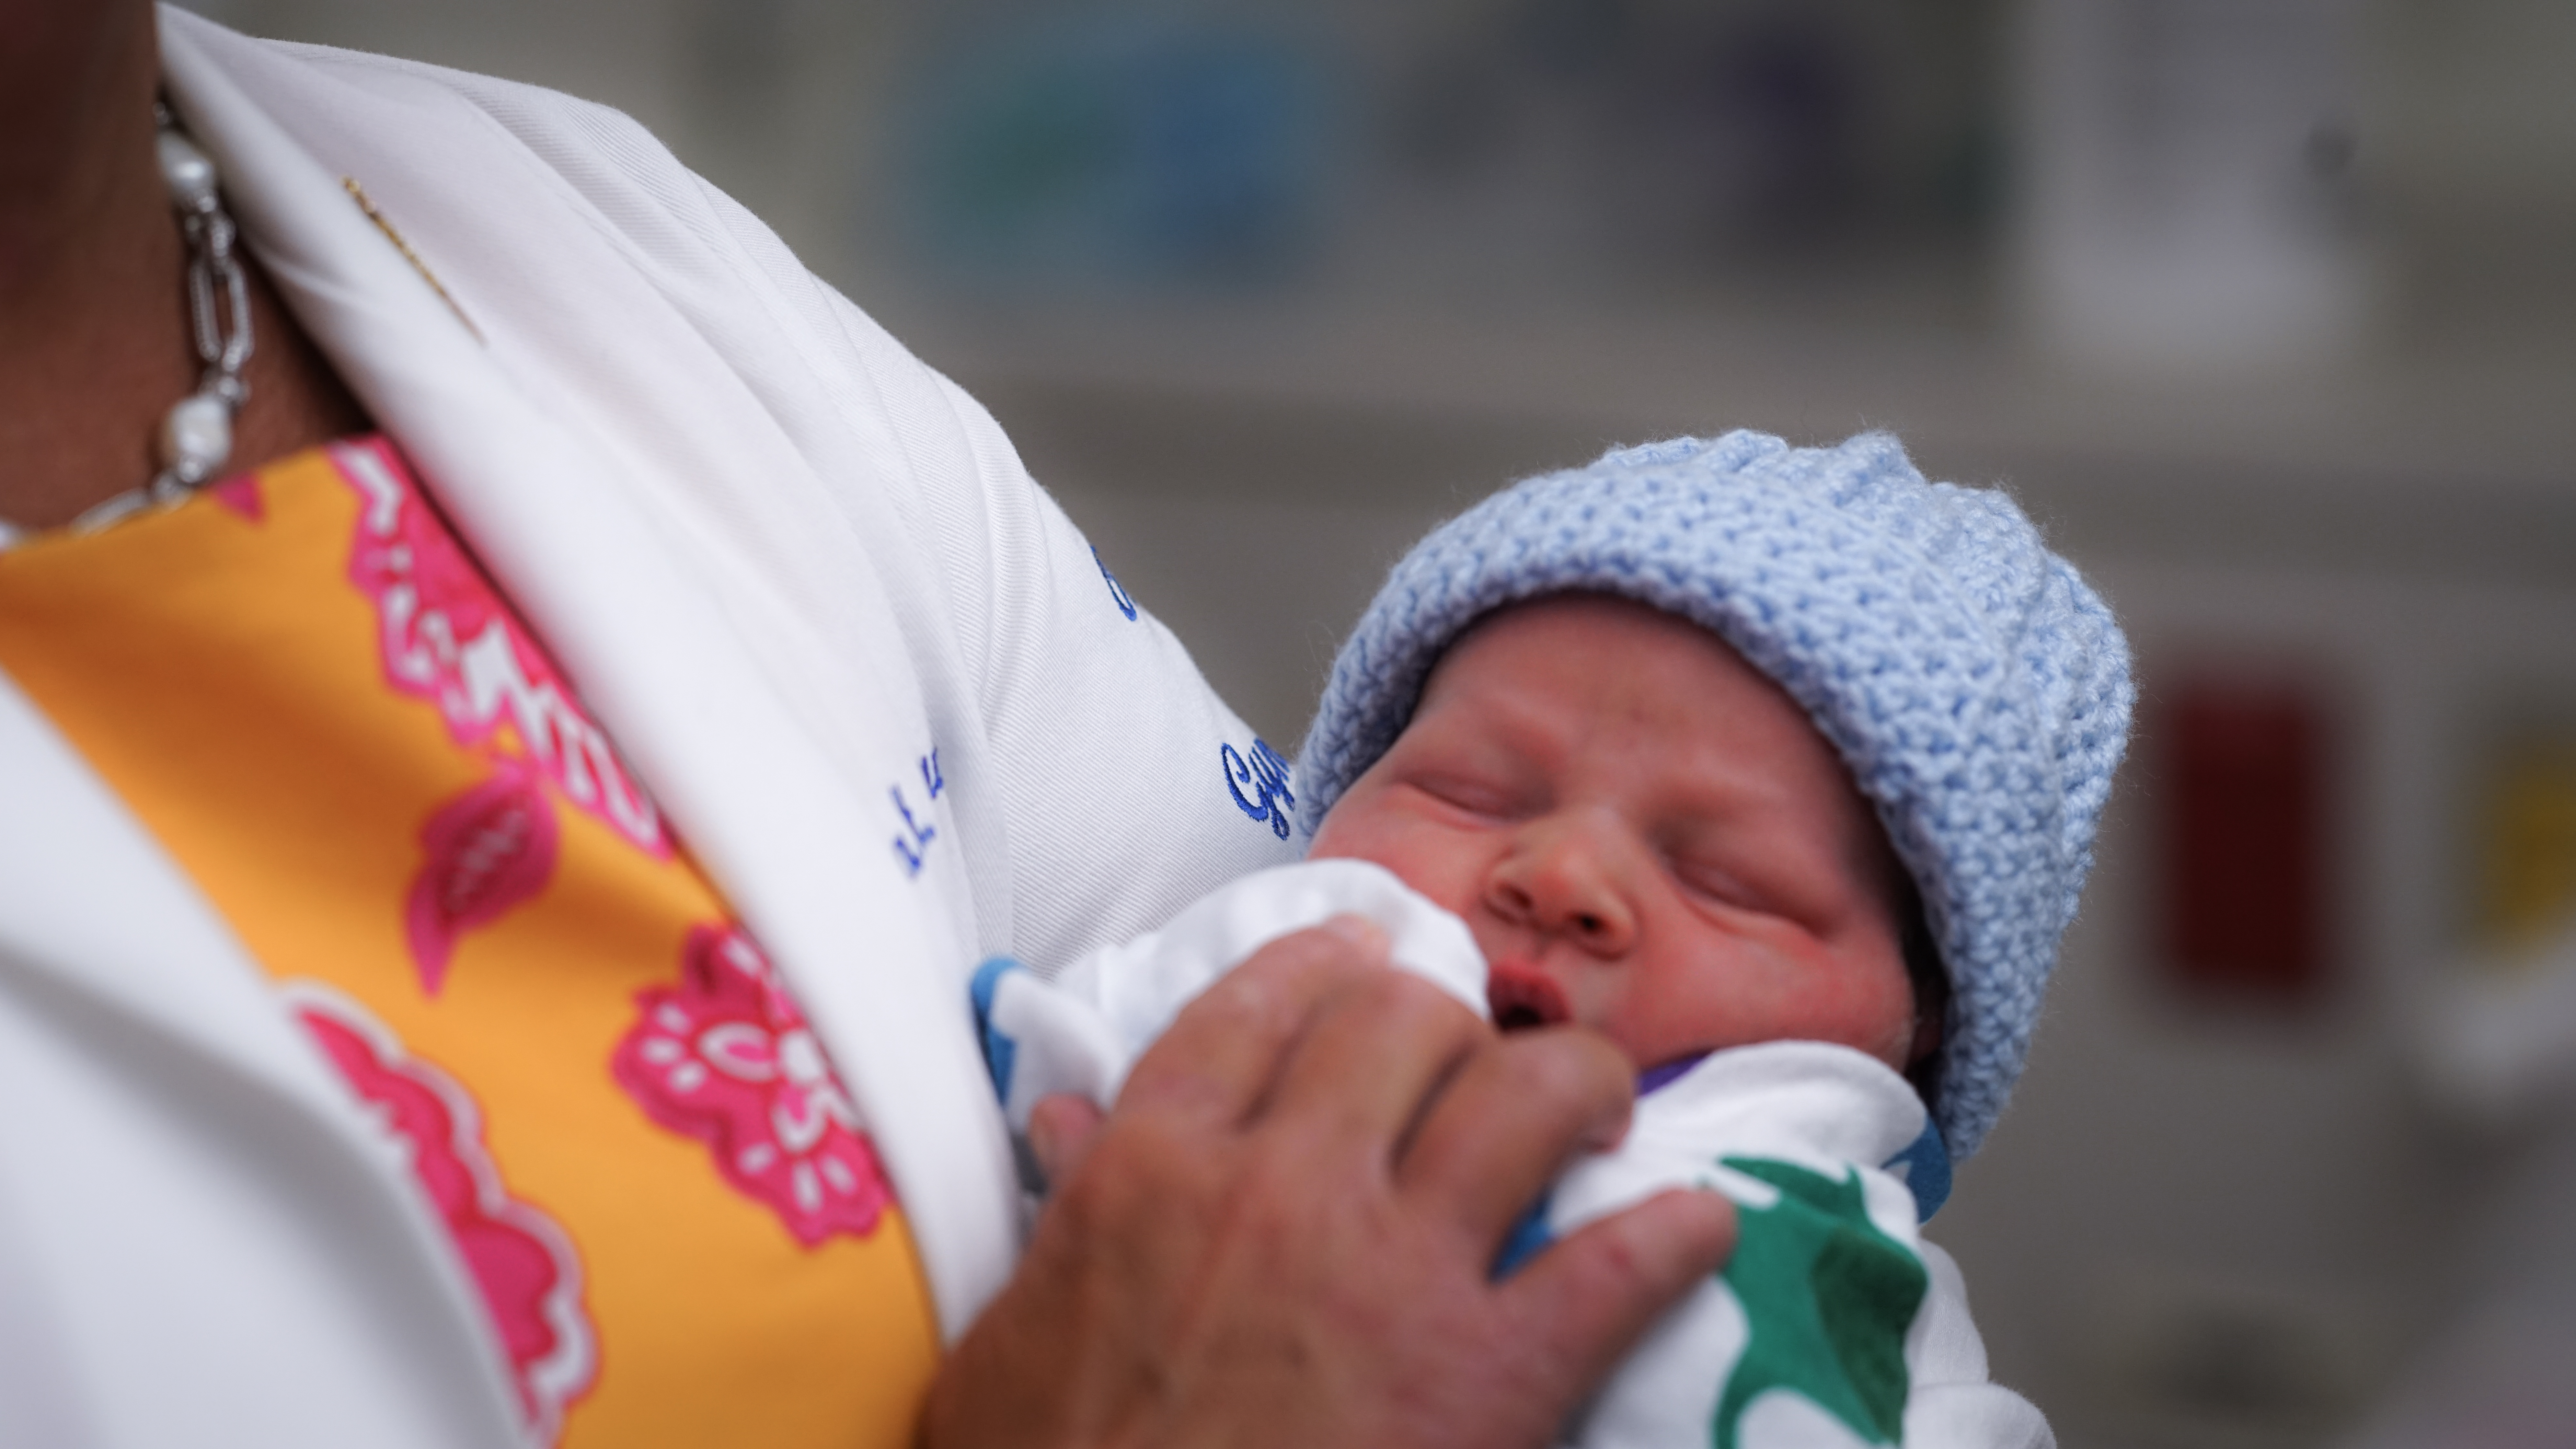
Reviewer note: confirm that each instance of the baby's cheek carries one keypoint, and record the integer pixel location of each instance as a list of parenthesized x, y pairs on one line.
[(1877, 1016), (1408, 851), (1424, 873), (1335, 841)]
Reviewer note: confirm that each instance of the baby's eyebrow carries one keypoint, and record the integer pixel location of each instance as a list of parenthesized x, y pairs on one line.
[(1492, 730)]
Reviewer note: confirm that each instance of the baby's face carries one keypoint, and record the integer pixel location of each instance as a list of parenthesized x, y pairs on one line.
[(1645, 836)]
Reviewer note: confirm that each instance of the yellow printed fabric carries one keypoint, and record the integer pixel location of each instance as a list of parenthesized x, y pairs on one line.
[(307, 690)]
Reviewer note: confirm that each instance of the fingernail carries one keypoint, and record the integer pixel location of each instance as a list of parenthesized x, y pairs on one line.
[(1359, 933), (1606, 1136)]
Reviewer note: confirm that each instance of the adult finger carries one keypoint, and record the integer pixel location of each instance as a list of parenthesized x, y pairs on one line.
[(1221, 1055), (1375, 1056), (1581, 1304), (1061, 1130), (1511, 1119)]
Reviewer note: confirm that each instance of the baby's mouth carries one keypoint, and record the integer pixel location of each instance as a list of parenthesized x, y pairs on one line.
[(1521, 998)]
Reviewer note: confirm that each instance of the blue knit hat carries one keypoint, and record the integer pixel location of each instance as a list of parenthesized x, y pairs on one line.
[(1977, 689)]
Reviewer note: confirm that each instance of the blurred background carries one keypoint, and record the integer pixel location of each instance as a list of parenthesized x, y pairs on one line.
[(2265, 308)]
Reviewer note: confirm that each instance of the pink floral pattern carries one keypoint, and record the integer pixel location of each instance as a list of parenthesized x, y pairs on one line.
[(448, 640), (522, 1261), (242, 496), (490, 848), (726, 1057)]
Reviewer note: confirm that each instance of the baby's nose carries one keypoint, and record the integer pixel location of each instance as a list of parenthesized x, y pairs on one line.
[(1562, 883)]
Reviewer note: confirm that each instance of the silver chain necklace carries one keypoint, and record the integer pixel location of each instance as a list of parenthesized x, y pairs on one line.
[(197, 433)]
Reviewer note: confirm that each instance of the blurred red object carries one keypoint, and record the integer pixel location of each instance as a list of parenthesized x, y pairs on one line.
[(2244, 839)]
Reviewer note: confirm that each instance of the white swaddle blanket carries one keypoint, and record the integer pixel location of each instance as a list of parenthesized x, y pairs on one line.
[(1833, 1324)]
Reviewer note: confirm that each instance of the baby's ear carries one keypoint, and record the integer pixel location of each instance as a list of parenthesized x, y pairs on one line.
[(1923, 1061), (1927, 1040), (1930, 979)]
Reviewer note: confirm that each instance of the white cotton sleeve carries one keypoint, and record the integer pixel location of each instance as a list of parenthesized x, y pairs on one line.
[(1098, 783), (1130, 788), (1112, 785), (1107, 785), (1952, 1401)]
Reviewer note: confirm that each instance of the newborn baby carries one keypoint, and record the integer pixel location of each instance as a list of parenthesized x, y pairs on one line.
[(1550, 767)]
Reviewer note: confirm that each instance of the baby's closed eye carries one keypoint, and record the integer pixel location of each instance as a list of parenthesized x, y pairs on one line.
[(1756, 880), (1482, 796), (1713, 879)]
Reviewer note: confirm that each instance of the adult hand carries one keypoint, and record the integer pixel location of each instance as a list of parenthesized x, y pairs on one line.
[(1281, 1234)]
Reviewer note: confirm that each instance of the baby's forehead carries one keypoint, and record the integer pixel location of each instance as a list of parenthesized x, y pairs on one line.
[(1713, 707), (1545, 654), (1609, 632)]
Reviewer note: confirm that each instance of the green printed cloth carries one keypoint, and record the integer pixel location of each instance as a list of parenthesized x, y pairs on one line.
[(1834, 1324)]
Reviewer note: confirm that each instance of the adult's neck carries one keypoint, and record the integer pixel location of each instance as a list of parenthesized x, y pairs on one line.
[(94, 334), (76, 84), (92, 320)]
